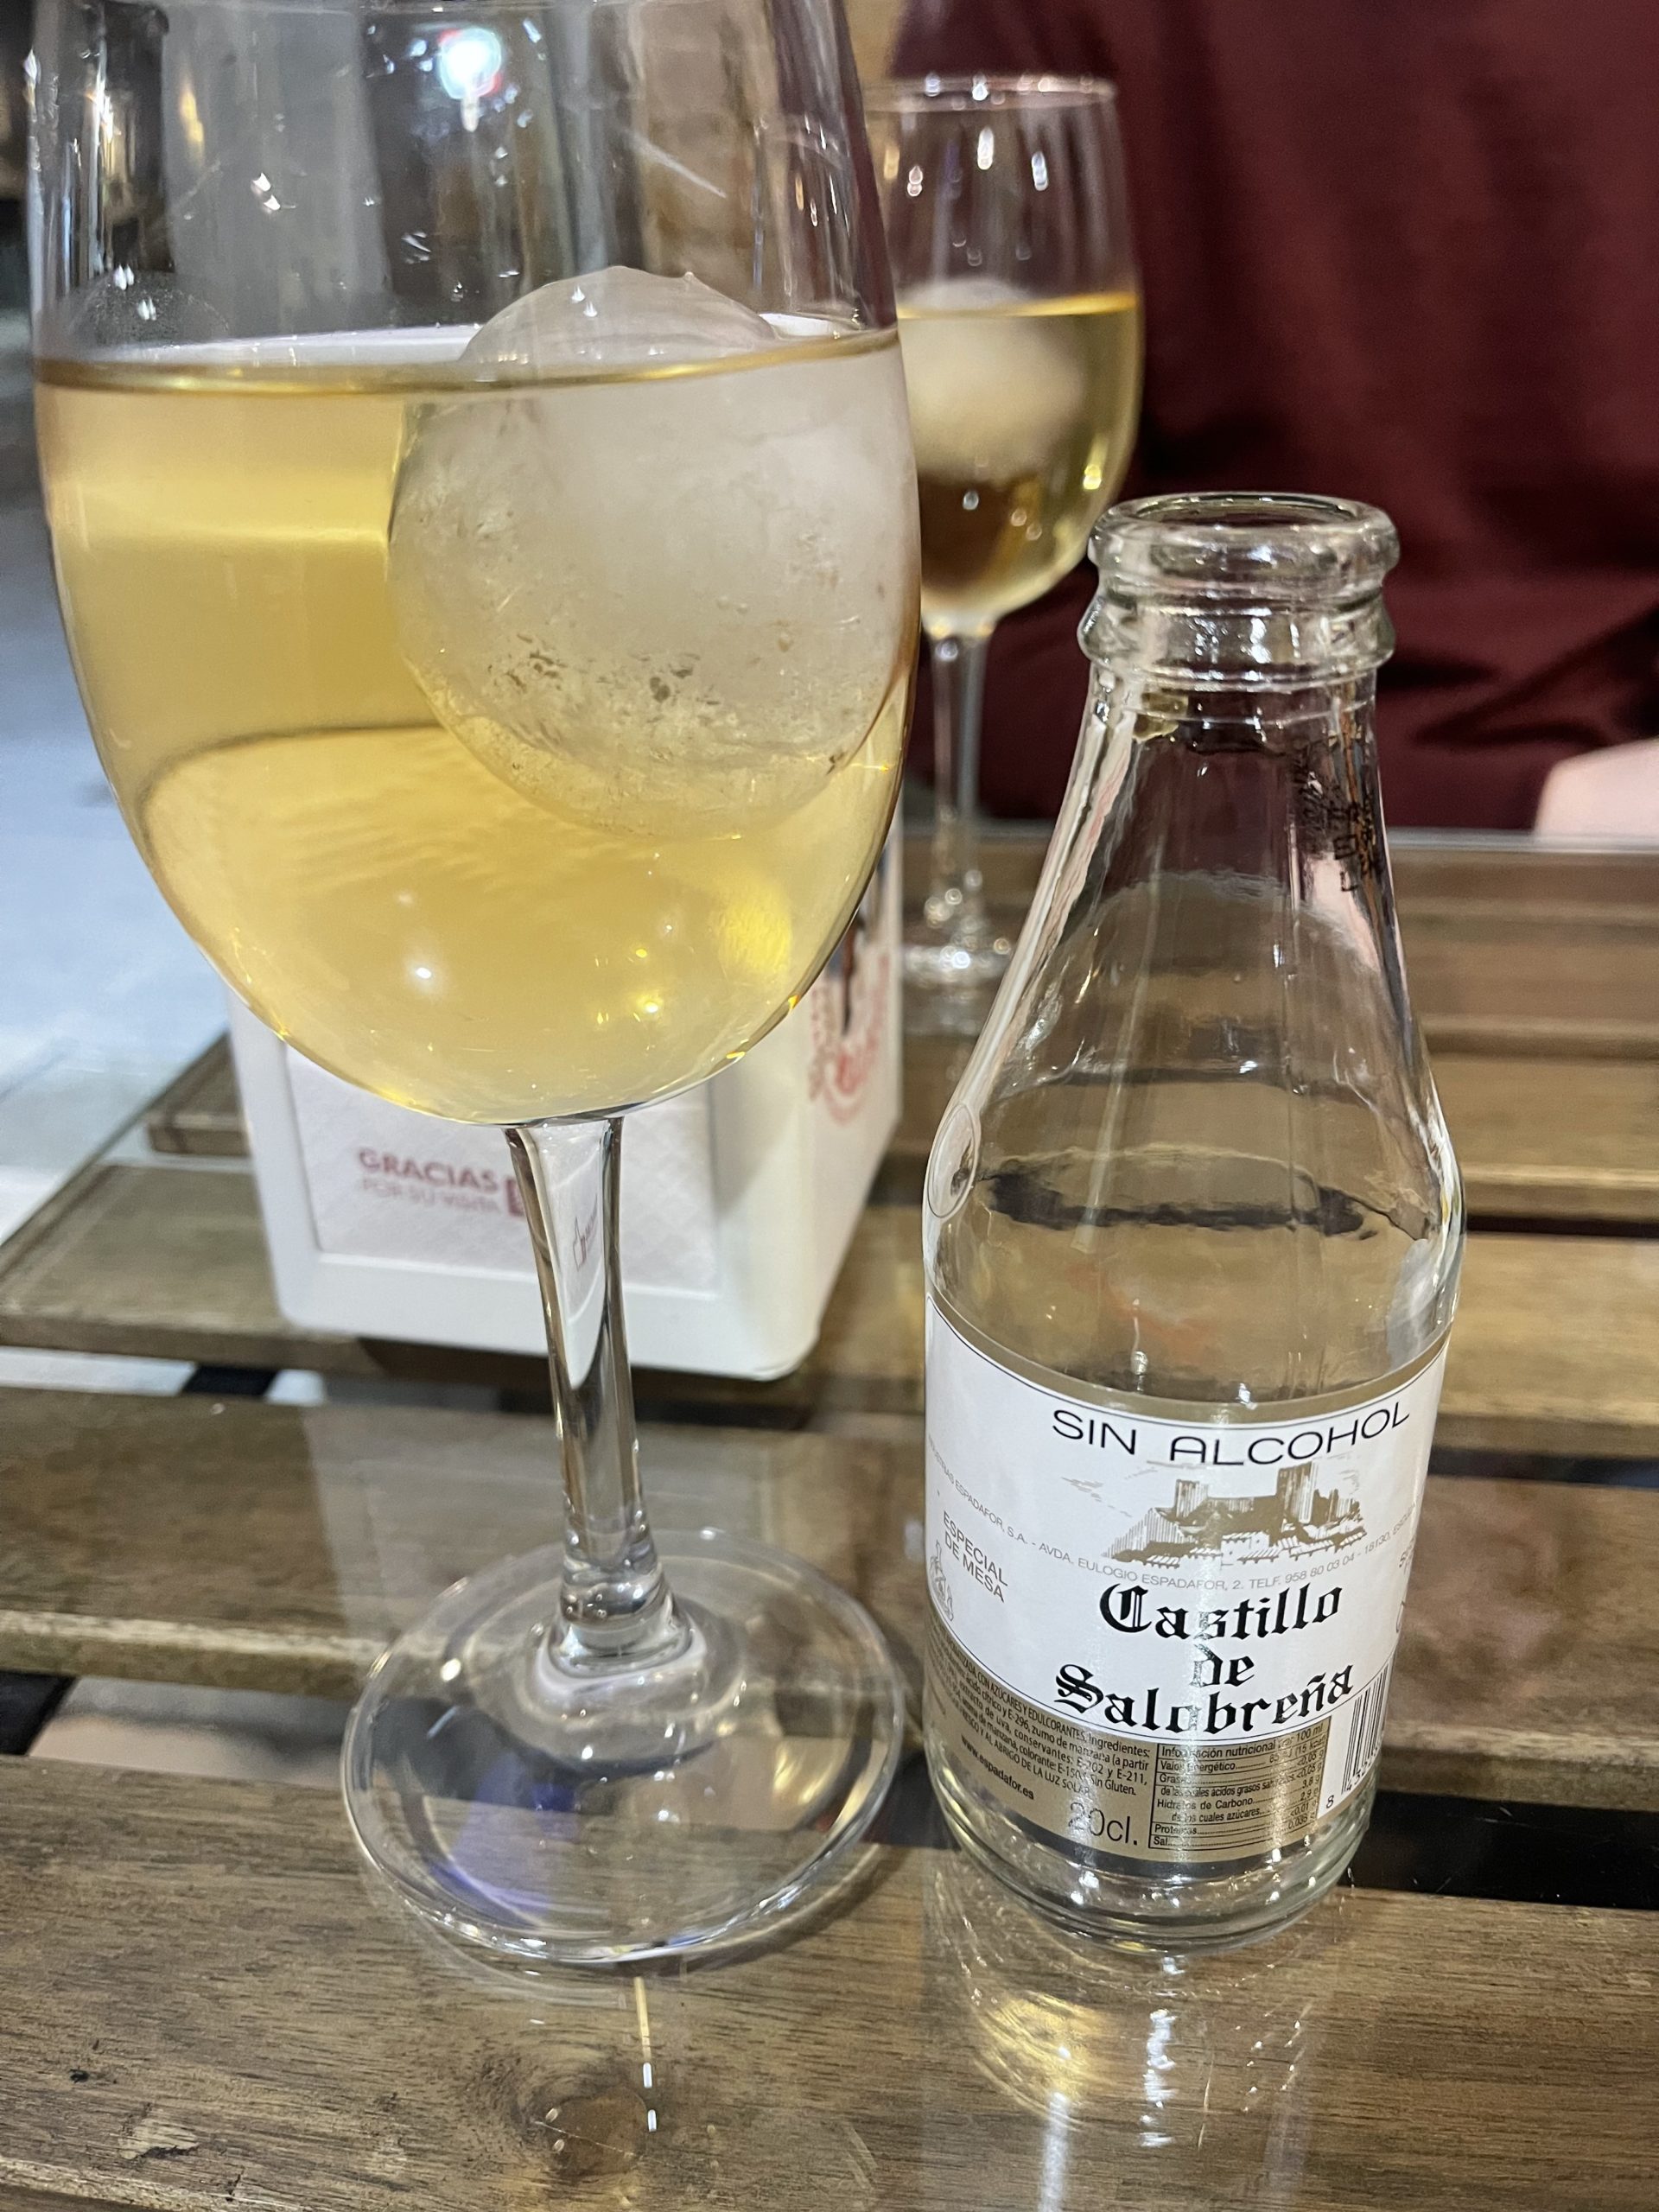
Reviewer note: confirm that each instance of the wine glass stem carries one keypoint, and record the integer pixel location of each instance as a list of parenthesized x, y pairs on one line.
[(615, 1606), (956, 898)]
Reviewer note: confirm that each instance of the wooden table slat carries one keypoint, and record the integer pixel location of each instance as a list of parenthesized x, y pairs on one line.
[(1430, 872), (1547, 1139), (1510, 949), (274, 1548), (1543, 1136), (200, 1112), (1537, 1138), (170, 1263), (199, 2005)]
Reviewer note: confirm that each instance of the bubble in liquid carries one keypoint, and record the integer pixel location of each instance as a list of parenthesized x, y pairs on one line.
[(649, 598)]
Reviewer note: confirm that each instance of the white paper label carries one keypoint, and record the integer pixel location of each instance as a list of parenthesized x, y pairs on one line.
[(389, 1183), (1193, 1586)]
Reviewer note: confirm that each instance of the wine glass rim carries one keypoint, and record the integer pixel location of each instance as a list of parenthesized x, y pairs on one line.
[(979, 89)]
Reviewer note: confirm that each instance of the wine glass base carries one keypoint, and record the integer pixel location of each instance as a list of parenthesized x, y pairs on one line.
[(588, 1822), (943, 964), (949, 986)]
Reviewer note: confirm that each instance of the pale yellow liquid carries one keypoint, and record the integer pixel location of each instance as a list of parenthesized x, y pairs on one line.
[(442, 921), (1024, 413)]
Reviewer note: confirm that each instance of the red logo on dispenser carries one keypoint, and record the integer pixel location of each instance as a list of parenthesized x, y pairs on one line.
[(850, 1005)]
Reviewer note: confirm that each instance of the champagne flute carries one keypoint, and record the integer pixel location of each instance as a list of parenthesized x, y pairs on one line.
[(1019, 313), (476, 458)]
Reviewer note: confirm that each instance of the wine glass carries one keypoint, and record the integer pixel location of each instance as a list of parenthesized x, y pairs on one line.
[(476, 458), (1019, 313)]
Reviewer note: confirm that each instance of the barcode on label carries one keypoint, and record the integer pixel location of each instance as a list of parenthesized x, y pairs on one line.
[(1365, 1730)]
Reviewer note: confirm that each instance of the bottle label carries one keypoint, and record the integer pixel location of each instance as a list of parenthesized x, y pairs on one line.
[(1162, 1638)]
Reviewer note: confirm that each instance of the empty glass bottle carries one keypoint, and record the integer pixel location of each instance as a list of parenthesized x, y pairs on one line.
[(1193, 1232)]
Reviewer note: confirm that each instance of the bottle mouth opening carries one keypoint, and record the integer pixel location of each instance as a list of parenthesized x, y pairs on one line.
[(1261, 548)]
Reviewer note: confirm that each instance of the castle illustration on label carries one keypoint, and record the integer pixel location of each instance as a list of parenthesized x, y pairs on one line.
[(1294, 1516)]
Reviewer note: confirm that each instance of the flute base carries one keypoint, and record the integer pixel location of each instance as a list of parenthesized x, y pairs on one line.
[(950, 982), (944, 963), (692, 1802)]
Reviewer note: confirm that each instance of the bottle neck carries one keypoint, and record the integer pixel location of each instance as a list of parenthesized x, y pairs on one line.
[(1235, 638), (1278, 784), (1203, 1076), (1214, 822), (1231, 641)]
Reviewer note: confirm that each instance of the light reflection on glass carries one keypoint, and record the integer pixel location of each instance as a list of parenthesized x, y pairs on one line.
[(1195, 2063), (1055, 2149)]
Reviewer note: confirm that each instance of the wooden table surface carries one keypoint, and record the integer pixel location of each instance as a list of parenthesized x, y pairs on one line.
[(201, 2004)]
